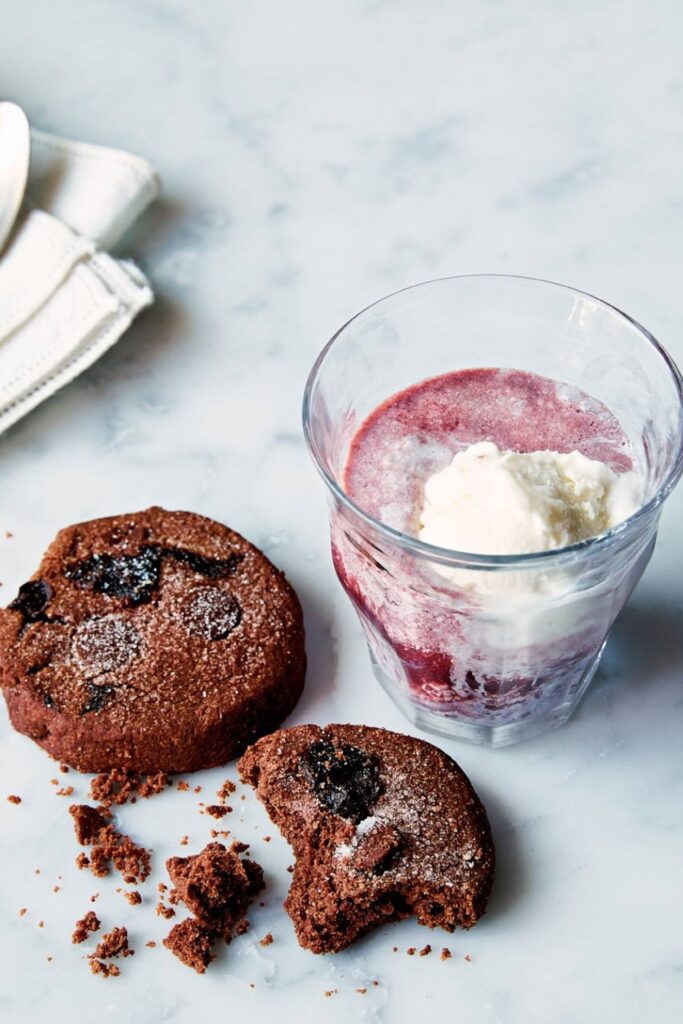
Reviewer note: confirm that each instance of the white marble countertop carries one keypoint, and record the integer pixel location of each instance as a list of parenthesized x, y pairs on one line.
[(316, 156)]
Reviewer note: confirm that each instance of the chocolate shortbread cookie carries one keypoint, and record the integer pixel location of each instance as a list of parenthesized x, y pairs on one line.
[(382, 826), (156, 641)]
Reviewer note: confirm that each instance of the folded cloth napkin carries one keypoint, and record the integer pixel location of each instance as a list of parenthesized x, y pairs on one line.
[(63, 300)]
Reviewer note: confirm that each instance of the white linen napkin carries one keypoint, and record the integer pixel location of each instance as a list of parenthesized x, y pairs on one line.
[(64, 301)]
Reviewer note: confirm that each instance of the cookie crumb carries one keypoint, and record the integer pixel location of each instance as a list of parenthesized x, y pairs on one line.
[(82, 861), (89, 923), (184, 840), (133, 897), (331, 992), (218, 810), (426, 950), (266, 839), (446, 953), (411, 951), (22, 911), (107, 844), (106, 970), (151, 944), (113, 943), (41, 924), (153, 784), (197, 789), (94, 896), (182, 786), (226, 790), (192, 943), (267, 940), (362, 991), (164, 911), (64, 768), (55, 888), (49, 959), (394, 949), (468, 958), (14, 799)]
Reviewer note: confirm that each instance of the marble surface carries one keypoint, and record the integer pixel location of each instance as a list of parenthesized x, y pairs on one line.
[(315, 157)]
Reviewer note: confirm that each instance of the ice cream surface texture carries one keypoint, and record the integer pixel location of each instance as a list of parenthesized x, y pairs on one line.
[(488, 501)]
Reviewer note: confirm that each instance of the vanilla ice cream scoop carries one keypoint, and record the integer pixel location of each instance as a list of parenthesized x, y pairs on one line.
[(496, 502)]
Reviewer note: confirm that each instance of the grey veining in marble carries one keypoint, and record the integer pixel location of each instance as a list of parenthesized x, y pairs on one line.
[(316, 156)]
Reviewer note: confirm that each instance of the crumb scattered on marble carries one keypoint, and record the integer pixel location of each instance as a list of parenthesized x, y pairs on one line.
[(426, 950), (267, 940), (218, 810), (133, 897), (89, 923), (446, 953), (23, 911), (65, 791), (411, 951), (14, 799)]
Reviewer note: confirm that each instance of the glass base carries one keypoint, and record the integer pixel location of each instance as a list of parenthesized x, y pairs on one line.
[(481, 733)]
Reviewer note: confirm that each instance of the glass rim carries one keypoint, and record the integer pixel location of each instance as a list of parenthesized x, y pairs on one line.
[(450, 556)]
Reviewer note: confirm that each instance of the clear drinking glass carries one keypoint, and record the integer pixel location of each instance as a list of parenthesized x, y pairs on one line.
[(479, 667)]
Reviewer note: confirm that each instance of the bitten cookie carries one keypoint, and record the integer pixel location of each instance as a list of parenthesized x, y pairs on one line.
[(156, 641), (382, 826)]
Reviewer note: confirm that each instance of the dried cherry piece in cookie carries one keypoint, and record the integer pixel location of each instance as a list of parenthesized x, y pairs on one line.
[(345, 779), (32, 600), (212, 568), (131, 577)]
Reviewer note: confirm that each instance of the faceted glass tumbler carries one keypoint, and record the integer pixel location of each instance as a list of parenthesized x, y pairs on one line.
[(455, 660)]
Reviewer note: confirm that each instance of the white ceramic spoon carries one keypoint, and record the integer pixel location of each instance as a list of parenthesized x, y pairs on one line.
[(15, 148)]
